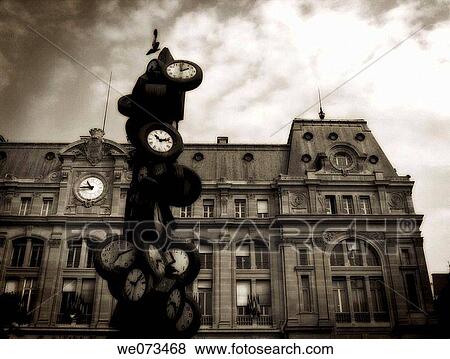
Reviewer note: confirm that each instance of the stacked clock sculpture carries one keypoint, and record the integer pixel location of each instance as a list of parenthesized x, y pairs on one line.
[(146, 268)]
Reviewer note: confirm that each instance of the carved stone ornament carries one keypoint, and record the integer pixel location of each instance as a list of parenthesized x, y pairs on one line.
[(93, 146), (396, 200), (299, 200)]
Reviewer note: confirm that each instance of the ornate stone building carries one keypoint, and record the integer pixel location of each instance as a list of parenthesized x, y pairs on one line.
[(314, 238)]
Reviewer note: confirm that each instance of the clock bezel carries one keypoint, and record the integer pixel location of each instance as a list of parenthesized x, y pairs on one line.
[(170, 155), (103, 271), (87, 201), (194, 262), (184, 84)]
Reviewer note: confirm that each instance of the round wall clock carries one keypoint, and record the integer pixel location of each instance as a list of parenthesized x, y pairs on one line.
[(135, 284), (114, 256), (186, 75), (90, 188), (183, 262), (189, 322), (161, 142)]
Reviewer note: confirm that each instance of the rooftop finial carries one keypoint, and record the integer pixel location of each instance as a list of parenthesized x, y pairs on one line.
[(321, 113)]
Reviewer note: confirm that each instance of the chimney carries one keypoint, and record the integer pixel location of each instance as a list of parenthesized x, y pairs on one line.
[(222, 140)]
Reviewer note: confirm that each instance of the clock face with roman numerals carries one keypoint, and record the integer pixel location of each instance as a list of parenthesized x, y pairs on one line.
[(91, 188), (160, 140)]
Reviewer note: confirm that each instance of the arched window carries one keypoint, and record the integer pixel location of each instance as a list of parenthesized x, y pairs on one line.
[(359, 290), (27, 252), (354, 253), (37, 248), (18, 252)]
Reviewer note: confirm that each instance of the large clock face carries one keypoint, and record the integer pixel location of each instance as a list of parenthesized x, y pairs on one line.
[(155, 260), (135, 285), (118, 254), (181, 70), (173, 303), (187, 316), (180, 260), (160, 141), (91, 188)]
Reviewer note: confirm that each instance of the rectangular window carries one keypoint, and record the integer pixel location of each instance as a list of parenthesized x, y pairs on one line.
[(405, 257), (364, 205), (262, 301), (411, 291), (37, 247), (25, 206), (347, 204), (243, 256), (12, 286), (68, 301), (73, 257), (378, 294), (242, 296), (27, 296), (18, 253), (337, 255), (262, 208), (359, 297), (87, 301), (305, 305), (47, 204), (340, 295), (90, 258), (239, 208), (205, 299), (206, 256), (330, 205), (208, 208), (261, 256), (354, 252), (186, 212), (303, 257)]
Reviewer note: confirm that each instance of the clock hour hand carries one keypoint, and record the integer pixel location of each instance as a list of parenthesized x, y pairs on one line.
[(90, 186)]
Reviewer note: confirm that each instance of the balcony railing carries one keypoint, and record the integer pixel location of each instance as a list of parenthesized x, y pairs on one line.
[(343, 317), (381, 317), (206, 320), (248, 320), (362, 317), (64, 318)]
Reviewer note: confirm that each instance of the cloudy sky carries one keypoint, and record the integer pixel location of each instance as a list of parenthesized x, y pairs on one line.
[(262, 63)]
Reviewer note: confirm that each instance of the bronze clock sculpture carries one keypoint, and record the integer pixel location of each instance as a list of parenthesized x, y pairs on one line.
[(146, 268)]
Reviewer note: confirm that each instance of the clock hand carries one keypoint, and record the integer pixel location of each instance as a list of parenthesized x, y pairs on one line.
[(90, 186), (83, 187)]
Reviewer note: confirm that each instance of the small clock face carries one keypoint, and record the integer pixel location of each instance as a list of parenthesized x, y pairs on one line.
[(118, 254), (187, 316), (91, 188), (173, 303), (155, 260), (180, 260), (135, 285), (181, 70), (160, 141)]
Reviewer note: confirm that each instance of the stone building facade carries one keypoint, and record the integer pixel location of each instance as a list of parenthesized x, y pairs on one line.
[(314, 238)]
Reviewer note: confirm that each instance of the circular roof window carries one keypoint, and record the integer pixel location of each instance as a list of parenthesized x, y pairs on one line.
[(342, 160), (360, 137), (308, 136), (248, 157), (306, 158), (333, 136), (50, 156), (373, 159), (199, 156)]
